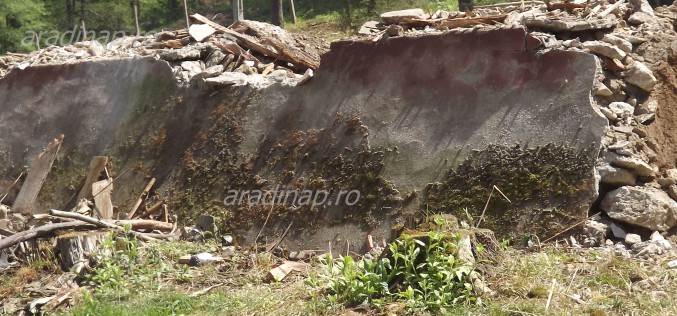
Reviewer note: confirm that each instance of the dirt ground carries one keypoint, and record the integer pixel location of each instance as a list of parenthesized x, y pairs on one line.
[(662, 51)]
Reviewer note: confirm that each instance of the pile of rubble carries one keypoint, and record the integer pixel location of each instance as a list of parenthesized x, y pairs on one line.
[(207, 54), (635, 194)]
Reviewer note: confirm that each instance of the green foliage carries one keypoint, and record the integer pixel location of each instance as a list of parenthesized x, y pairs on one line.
[(121, 263), (426, 275), (16, 19)]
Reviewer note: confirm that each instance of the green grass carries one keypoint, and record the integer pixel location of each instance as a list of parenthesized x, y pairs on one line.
[(263, 299)]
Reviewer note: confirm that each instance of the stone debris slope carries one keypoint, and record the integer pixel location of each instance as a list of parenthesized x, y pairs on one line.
[(208, 54)]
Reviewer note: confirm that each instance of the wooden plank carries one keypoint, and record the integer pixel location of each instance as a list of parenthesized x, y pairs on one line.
[(141, 198), (35, 178), (293, 56), (469, 22), (97, 165), (102, 191)]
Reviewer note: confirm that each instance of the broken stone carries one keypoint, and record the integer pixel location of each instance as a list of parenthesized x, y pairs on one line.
[(228, 79), (614, 65), (609, 114), (643, 13), (201, 31), (658, 239), (636, 165), (5, 224), (403, 16), (623, 44), (394, 30), (4, 211), (188, 52), (199, 259), (369, 28), (464, 253), (621, 109), (641, 76), (604, 49), (306, 77), (617, 231), (215, 58), (209, 72), (632, 239), (602, 90), (616, 176), (665, 182), (17, 222), (642, 206), (672, 192), (632, 39), (596, 229), (648, 107), (206, 223), (96, 49), (574, 25)]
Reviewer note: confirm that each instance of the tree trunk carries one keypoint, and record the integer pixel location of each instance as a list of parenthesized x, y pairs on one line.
[(465, 5), (293, 11), (74, 248), (371, 7), (276, 16), (348, 15), (238, 10)]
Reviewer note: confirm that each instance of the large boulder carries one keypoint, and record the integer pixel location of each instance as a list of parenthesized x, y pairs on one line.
[(642, 206)]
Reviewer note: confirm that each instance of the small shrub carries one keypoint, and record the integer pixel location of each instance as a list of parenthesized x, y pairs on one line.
[(425, 275)]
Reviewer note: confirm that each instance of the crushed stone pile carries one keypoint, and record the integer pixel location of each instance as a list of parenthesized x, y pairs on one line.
[(208, 54)]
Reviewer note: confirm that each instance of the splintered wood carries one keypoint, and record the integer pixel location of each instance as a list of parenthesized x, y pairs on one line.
[(36, 177)]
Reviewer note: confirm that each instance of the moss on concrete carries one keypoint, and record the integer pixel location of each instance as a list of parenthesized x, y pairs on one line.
[(549, 187)]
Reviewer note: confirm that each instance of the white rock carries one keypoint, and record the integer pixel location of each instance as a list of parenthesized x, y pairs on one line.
[(201, 31), (96, 49), (640, 75), (643, 206), (632, 239), (228, 79), (672, 264), (602, 90), (621, 109), (636, 165), (648, 107), (400, 16), (605, 49), (616, 176), (623, 44), (609, 114), (188, 52)]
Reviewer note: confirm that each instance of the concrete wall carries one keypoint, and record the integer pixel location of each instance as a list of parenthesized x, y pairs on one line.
[(404, 120)]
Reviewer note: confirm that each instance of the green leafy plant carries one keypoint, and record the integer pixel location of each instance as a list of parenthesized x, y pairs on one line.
[(121, 263), (421, 271)]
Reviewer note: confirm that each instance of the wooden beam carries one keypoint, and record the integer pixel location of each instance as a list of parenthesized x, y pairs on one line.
[(141, 198), (97, 165), (102, 191), (36, 177)]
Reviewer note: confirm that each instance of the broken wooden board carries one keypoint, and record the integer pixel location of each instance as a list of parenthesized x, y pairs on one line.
[(280, 272), (35, 178), (470, 22), (294, 56), (556, 25), (102, 191), (97, 165)]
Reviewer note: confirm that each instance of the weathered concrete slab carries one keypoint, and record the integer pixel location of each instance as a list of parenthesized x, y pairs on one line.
[(431, 122)]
